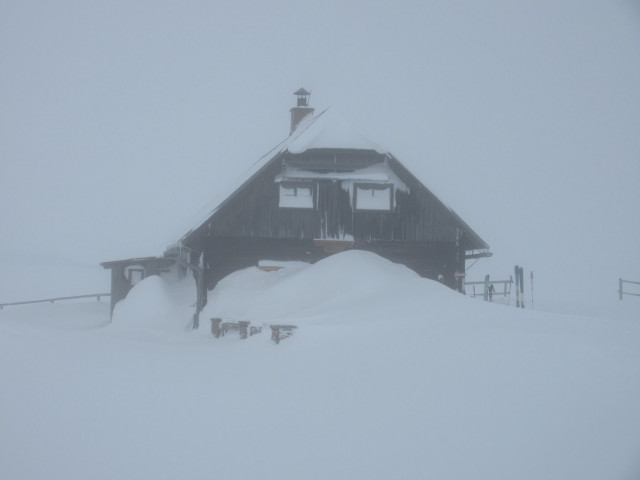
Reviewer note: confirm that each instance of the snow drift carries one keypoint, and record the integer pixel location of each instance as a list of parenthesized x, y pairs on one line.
[(388, 376), (353, 285), (158, 304)]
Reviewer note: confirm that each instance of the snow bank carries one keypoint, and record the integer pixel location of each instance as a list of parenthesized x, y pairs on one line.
[(159, 304), (388, 376), (350, 286)]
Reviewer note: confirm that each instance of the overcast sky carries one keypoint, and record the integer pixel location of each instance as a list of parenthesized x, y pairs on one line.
[(119, 120)]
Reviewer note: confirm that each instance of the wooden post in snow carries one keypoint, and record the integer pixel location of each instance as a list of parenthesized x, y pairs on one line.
[(215, 327), (280, 332), (620, 288), (486, 288), (243, 328)]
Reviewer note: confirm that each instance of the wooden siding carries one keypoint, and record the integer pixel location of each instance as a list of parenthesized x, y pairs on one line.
[(255, 213), (121, 285), (323, 160), (466, 237), (420, 232)]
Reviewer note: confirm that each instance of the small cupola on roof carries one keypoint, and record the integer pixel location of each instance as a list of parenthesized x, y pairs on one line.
[(301, 110)]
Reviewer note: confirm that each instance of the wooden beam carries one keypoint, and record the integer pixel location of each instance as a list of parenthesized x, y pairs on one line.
[(478, 255), (333, 246)]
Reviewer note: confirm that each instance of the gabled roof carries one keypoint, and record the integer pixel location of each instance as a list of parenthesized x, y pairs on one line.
[(312, 132), (324, 131)]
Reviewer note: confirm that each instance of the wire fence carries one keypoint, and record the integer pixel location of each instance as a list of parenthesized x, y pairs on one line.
[(57, 299)]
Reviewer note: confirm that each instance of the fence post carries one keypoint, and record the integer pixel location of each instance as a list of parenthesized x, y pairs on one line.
[(486, 288), (620, 290)]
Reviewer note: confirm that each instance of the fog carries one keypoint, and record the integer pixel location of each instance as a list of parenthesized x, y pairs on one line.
[(120, 120)]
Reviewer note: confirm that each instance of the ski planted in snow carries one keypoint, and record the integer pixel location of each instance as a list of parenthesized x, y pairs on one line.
[(517, 275), (521, 287)]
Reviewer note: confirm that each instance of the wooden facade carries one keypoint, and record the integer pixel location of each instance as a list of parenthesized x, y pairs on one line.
[(126, 273), (417, 230), (306, 203)]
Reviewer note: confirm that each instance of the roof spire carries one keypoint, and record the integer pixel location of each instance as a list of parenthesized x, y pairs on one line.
[(302, 108)]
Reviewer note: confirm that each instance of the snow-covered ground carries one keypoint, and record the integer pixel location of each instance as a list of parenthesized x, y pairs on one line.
[(32, 275), (387, 376)]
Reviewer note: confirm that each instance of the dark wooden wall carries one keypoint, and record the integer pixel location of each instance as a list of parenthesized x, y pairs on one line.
[(121, 285), (420, 232), (255, 213)]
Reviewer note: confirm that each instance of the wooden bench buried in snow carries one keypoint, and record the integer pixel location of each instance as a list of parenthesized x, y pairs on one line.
[(244, 329), (279, 332), (220, 329)]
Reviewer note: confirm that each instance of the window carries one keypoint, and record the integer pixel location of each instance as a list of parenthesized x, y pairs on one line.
[(296, 195), (373, 197), (135, 275)]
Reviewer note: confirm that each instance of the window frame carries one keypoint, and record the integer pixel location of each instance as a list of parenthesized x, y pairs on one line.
[(373, 186), (294, 184)]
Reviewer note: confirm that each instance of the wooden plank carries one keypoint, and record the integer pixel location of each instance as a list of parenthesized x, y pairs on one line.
[(333, 246), (472, 256)]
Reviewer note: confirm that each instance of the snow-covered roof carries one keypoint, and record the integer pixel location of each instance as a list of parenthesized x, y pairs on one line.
[(329, 130), (325, 130)]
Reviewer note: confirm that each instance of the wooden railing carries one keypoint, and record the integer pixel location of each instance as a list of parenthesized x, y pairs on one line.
[(57, 299), (621, 288), (487, 292)]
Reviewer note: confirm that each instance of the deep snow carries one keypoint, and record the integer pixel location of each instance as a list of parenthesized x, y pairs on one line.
[(388, 376)]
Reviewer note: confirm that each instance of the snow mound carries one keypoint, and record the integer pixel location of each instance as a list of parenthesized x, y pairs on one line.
[(158, 304), (355, 282)]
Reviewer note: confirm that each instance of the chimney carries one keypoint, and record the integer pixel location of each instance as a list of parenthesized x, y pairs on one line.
[(302, 108)]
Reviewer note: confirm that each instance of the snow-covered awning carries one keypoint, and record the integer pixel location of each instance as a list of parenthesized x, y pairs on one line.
[(379, 173), (370, 174)]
